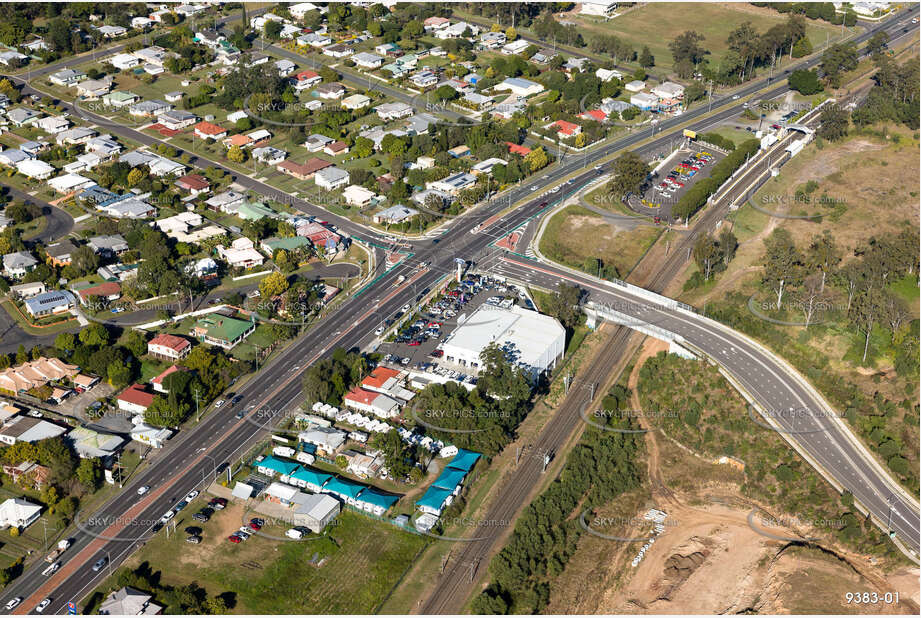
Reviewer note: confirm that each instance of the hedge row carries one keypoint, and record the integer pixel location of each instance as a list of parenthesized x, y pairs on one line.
[(696, 197)]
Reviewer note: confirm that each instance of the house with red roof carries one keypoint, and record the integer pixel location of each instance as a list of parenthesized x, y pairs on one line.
[(193, 183), (135, 399), (303, 171), (157, 382), (564, 128), (238, 140), (169, 347), (521, 151), (306, 79), (108, 291), (594, 114), (387, 381), (371, 402), (209, 130)]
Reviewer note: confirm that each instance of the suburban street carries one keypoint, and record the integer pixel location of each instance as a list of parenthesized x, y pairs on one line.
[(191, 459)]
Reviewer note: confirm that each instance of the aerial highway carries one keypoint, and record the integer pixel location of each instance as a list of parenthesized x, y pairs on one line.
[(192, 458)]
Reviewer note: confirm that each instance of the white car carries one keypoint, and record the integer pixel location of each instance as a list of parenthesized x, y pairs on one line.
[(167, 516), (218, 403), (143, 490), (379, 331), (191, 495), (735, 97), (405, 308), (41, 606), (13, 603)]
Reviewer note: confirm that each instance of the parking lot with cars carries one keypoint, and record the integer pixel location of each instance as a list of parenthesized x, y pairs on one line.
[(421, 331), (671, 182)]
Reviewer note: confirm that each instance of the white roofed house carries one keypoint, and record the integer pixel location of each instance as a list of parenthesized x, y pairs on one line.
[(285, 67), (21, 117), (124, 61), (269, 155), (50, 303), (331, 178), (94, 88), (356, 195), (66, 77), (149, 109), (176, 119), (519, 86), (394, 215), (18, 264), (52, 124), (35, 169), (453, 183), (70, 182), (18, 513), (393, 111), (368, 60), (77, 135), (84, 162)]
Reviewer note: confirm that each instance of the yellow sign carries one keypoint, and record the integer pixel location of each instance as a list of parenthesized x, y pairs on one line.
[(689, 133)]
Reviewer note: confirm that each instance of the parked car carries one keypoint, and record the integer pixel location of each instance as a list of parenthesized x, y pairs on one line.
[(233, 538), (218, 503), (167, 516), (193, 530), (218, 403), (191, 495), (194, 540), (181, 505)]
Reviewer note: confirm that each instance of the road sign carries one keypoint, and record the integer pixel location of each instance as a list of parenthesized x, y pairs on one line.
[(71, 608)]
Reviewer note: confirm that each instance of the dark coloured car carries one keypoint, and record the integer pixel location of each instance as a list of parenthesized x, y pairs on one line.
[(193, 530)]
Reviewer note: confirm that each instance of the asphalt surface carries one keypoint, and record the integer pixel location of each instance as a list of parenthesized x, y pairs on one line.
[(188, 459), (58, 223)]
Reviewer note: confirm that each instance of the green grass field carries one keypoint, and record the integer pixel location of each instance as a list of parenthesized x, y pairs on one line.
[(715, 21), (362, 560)]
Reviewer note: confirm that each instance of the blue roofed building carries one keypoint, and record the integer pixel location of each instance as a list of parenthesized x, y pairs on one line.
[(464, 460), (344, 489), (309, 479), (450, 479), (272, 466), (376, 502), (435, 500)]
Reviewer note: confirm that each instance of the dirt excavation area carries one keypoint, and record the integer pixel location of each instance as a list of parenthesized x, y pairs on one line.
[(715, 552)]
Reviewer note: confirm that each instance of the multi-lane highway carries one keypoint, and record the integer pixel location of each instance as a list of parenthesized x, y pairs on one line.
[(191, 458)]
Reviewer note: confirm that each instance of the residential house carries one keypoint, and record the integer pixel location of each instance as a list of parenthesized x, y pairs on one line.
[(67, 183), (492, 40), (607, 75), (337, 148), (394, 215), (75, 136), (123, 62), (135, 399), (209, 130), (28, 429), (28, 472), (17, 264), (107, 291), (222, 331), (393, 111), (21, 117), (60, 253), (241, 254), (520, 86), (149, 109), (332, 90), (226, 202), (94, 88), (355, 102), (645, 101), (424, 79), (367, 60), (27, 290), (50, 303), (330, 178), (108, 246), (285, 67), (453, 183), (169, 347), (52, 124), (18, 513), (66, 77), (338, 51), (317, 141), (303, 171), (564, 129), (635, 86), (515, 47), (193, 183), (13, 58), (269, 155), (176, 119), (129, 602)]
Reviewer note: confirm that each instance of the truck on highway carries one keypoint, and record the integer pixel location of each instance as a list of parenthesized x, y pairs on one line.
[(63, 544)]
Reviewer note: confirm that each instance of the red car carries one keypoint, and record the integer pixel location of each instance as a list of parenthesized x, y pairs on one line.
[(233, 538), (413, 343), (218, 503), (695, 168), (679, 184), (255, 525), (775, 126)]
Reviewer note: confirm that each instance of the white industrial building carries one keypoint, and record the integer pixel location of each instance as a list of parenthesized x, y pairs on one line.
[(530, 339)]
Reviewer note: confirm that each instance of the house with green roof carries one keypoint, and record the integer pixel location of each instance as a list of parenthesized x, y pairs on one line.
[(253, 211), (435, 500), (272, 466), (222, 331), (376, 502), (291, 243), (119, 99), (344, 489), (309, 479)]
